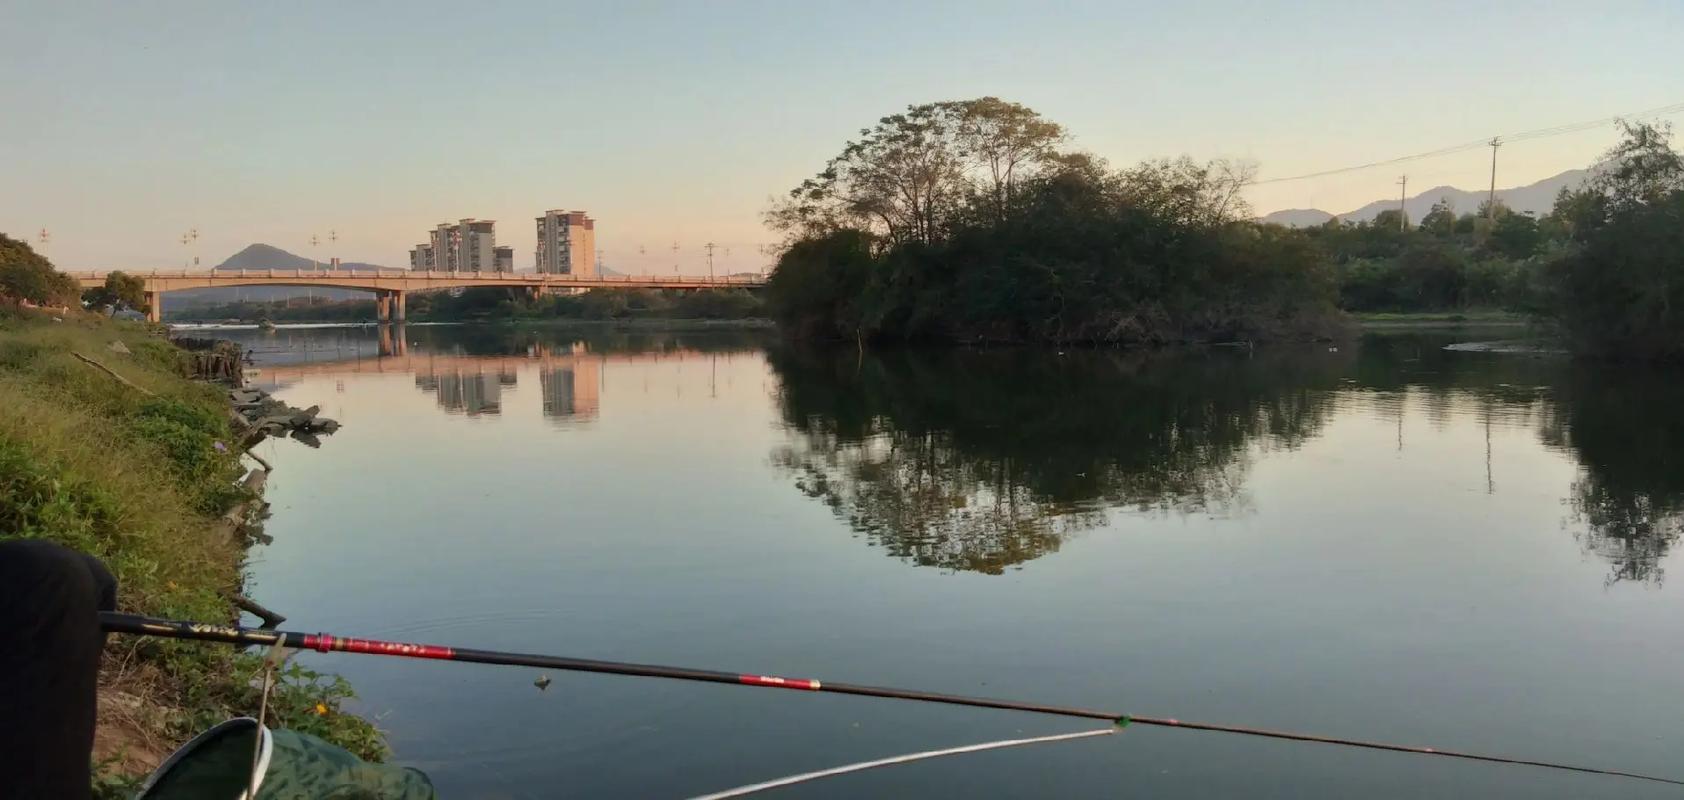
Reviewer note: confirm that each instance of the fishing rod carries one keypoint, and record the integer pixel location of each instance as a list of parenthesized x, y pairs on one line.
[(326, 643)]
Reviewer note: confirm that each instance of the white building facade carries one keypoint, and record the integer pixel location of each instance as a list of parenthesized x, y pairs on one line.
[(566, 243)]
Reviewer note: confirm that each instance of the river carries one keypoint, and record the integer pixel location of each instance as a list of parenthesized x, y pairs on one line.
[(1381, 540)]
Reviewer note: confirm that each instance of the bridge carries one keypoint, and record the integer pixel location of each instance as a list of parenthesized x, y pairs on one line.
[(391, 287)]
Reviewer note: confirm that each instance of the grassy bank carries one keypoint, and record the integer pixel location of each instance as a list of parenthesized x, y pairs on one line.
[(139, 480)]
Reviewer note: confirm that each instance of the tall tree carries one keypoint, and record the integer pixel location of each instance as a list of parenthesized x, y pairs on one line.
[(1004, 140), (909, 177), (1441, 220), (121, 290), (1620, 290)]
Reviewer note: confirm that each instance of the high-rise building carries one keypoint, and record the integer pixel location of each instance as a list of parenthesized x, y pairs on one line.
[(566, 243), (503, 259), (421, 257), (467, 246)]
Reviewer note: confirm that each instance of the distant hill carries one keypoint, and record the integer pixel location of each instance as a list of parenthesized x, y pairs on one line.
[(264, 256), (1298, 217), (1537, 198)]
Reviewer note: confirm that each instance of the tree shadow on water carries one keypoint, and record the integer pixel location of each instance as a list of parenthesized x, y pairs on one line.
[(1625, 426), (982, 460)]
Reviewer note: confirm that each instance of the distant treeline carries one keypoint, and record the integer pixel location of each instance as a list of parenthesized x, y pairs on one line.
[(966, 221), (1605, 266)]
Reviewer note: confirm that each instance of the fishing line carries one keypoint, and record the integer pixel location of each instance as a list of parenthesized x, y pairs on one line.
[(892, 760)]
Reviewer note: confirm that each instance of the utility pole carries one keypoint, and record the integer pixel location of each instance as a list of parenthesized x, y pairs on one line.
[(710, 246), (315, 265), (1402, 194), (675, 258), (599, 262), (44, 238), (1491, 201), (332, 238), (193, 234)]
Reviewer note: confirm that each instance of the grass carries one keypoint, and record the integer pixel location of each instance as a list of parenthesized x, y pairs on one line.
[(138, 480)]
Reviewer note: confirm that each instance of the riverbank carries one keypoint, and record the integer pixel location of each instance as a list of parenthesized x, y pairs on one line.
[(108, 448), (1388, 320)]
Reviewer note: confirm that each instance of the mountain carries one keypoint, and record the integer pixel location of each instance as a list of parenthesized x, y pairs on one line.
[(1537, 198), (263, 256)]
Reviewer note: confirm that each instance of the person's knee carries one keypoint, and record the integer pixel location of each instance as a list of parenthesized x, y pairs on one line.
[(44, 585)]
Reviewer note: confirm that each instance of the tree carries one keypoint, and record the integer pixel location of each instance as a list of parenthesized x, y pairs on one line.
[(908, 178), (1643, 168), (1004, 139), (1187, 192), (1620, 291), (27, 275), (1441, 220), (121, 290), (1390, 219), (1515, 236)]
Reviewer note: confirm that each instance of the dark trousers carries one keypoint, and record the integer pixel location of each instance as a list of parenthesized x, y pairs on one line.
[(50, 643)]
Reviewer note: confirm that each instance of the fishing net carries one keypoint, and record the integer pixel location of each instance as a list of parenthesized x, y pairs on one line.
[(219, 764)]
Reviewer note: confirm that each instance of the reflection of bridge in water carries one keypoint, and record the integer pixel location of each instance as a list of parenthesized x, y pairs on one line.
[(569, 377)]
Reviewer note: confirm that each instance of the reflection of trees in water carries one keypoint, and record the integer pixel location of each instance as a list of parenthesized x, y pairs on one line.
[(1622, 424), (982, 460), (492, 340), (1625, 428)]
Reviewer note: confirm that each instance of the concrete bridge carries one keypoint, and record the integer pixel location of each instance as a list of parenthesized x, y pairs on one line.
[(391, 287)]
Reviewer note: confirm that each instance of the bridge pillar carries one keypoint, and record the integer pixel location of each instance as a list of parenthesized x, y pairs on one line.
[(383, 306), (399, 306), (155, 306)]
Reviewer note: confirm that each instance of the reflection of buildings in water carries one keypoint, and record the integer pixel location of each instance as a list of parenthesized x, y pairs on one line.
[(572, 375), (473, 393), (572, 392)]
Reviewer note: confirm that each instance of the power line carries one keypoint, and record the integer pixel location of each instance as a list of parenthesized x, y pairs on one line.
[(1537, 133)]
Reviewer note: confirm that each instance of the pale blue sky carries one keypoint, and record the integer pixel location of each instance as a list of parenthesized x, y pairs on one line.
[(125, 124)]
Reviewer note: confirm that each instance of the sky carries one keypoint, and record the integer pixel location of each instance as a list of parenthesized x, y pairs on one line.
[(125, 125)]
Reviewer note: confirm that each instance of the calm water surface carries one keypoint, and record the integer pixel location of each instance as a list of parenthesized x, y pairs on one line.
[(1385, 541)]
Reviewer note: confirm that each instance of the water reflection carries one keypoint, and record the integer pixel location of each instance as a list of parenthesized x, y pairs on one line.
[(1625, 428), (571, 392), (462, 391), (981, 461), (468, 370)]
